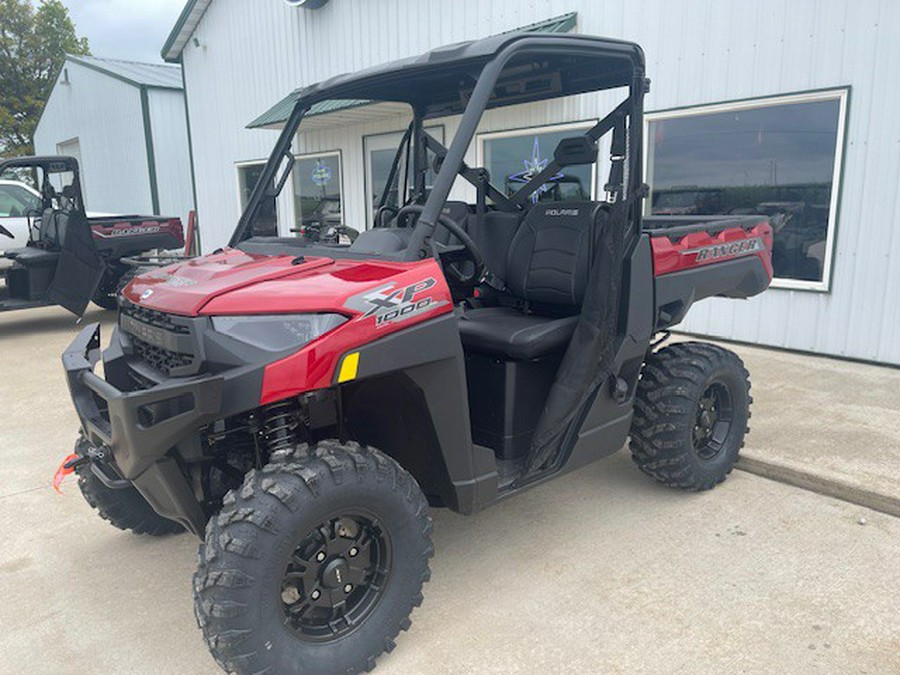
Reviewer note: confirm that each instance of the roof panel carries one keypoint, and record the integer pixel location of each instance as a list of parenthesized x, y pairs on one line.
[(156, 75)]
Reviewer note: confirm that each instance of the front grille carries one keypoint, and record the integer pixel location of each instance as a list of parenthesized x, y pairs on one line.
[(154, 318), (165, 342), (163, 360)]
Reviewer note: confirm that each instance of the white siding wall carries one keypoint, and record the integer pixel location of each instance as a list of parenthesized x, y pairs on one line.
[(698, 51), (171, 151), (105, 115)]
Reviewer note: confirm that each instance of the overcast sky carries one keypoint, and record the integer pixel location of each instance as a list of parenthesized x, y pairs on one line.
[(133, 30)]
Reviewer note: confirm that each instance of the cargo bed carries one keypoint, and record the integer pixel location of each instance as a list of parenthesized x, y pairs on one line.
[(696, 257)]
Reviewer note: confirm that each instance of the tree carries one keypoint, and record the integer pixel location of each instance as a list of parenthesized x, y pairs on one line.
[(33, 47)]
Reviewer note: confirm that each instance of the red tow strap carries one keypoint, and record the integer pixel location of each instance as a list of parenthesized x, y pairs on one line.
[(67, 467)]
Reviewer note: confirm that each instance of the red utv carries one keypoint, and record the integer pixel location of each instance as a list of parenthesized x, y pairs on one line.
[(300, 406), (73, 257)]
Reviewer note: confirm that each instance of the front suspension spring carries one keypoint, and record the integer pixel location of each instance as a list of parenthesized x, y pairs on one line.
[(281, 423)]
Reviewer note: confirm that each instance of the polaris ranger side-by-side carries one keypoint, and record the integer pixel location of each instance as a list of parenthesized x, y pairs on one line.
[(71, 257), (299, 406)]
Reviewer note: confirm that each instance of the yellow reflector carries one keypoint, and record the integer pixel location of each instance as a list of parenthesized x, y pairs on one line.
[(349, 367)]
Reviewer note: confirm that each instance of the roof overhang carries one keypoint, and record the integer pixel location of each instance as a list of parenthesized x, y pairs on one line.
[(183, 29), (338, 111), (133, 75), (329, 114)]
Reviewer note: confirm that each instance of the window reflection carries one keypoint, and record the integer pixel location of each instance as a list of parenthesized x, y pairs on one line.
[(266, 222), (317, 193), (774, 159), (513, 158)]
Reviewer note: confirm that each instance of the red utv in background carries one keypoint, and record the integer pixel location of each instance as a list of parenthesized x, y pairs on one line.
[(72, 258)]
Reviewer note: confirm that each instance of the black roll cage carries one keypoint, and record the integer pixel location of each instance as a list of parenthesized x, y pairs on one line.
[(627, 141), (51, 164)]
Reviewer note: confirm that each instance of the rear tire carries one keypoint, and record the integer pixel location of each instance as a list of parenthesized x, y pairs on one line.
[(690, 415), (315, 564), (126, 509)]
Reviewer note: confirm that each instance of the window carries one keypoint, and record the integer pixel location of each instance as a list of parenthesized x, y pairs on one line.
[(317, 190), (513, 157), (779, 157), (71, 148), (380, 150), (266, 221), (16, 201)]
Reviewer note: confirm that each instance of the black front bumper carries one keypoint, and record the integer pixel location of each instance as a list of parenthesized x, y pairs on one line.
[(133, 435)]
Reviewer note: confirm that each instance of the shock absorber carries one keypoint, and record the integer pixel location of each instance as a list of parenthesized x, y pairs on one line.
[(281, 425)]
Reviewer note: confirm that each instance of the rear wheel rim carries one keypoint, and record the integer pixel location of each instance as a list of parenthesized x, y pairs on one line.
[(335, 577), (713, 421)]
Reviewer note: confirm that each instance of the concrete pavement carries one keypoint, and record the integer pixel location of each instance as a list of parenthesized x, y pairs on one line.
[(600, 571), (825, 425)]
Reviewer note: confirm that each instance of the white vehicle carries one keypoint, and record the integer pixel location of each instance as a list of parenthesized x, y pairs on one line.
[(16, 201)]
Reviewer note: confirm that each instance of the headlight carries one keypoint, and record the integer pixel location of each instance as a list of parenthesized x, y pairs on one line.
[(277, 332)]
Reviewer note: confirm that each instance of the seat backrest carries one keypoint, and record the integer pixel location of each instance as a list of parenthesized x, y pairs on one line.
[(457, 212), (46, 224), (550, 255), (493, 234), (53, 227)]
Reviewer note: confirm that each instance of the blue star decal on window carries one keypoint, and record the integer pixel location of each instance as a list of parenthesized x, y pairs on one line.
[(532, 168)]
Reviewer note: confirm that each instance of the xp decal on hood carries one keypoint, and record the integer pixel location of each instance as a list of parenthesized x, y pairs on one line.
[(389, 304)]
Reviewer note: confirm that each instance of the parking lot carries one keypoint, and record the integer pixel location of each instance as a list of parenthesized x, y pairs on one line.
[(601, 571)]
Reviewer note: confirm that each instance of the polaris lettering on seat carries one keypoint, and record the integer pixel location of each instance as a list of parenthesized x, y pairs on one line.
[(561, 212), (732, 249), (389, 304)]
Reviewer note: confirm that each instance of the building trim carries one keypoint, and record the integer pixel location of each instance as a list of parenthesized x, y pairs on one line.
[(184, 27), (151, 155), (190, 142), (842, 94)]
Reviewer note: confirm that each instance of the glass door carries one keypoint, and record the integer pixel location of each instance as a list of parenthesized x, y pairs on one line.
[(380, 150)]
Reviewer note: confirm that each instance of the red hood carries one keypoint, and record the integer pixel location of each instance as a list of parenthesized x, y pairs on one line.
[(377, 297), (234, 282)]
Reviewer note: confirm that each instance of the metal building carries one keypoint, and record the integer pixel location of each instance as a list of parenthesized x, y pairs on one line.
[(125, 123), (782, 108)]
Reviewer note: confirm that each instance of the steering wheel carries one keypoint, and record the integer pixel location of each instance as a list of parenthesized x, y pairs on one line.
[(449, 254)]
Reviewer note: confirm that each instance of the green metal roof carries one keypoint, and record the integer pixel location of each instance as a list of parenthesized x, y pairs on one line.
[(152, 75), (279, 113)]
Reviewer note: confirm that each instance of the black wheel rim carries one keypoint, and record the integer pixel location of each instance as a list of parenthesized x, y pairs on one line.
[(335, 577), (713, 421)]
